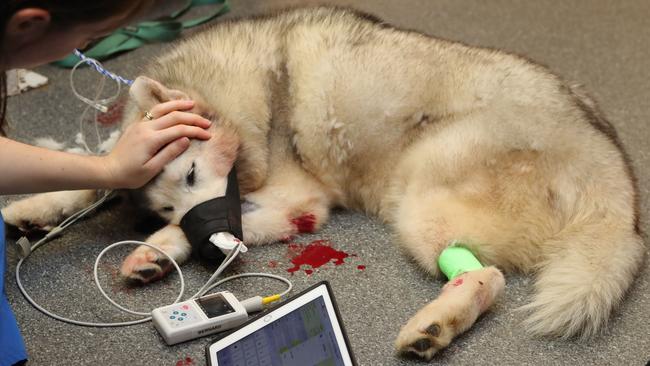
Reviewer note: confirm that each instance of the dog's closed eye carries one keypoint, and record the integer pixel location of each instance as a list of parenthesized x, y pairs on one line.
[(168, 208), (189, 179)]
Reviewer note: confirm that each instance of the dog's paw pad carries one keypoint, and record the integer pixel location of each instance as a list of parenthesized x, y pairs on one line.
[(421, 345), (424, 348), (29, 226), (433, 330), (140, 276)]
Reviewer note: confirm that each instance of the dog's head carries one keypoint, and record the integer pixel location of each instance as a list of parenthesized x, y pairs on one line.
[(197, 175)]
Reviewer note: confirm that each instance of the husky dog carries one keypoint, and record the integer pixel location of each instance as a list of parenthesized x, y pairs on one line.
[(326, 107)]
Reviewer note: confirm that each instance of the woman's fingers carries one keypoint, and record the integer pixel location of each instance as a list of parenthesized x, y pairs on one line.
[(177, 117), (167, 154), (164, 137), (162, 109), (145, 147)]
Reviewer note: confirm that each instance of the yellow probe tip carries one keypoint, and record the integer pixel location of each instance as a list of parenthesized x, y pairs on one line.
[(270, 299)]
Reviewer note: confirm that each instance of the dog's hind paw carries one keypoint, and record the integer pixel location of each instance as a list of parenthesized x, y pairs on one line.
[(28, 218), (42, 212)]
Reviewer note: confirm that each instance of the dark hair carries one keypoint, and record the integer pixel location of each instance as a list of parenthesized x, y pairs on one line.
[(64, 13), (3, 102)]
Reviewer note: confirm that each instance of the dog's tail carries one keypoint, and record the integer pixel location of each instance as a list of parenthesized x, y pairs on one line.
[(582, 282)]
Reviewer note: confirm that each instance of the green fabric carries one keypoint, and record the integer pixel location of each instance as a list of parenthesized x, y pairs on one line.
[(455, 260), (129, 38)]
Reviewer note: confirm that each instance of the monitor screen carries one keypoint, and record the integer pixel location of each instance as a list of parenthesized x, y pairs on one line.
[(303, 337), (214, 305)]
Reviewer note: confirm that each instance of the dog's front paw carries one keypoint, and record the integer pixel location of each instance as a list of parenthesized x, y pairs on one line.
[(144, 265)]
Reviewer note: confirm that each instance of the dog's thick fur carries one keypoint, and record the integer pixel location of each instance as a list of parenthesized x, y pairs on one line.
[(327, 107)]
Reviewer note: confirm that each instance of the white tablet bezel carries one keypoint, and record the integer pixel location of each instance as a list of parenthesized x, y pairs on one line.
[(279, 312)]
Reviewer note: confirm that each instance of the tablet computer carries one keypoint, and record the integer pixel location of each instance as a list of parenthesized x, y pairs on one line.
[(304, 330)]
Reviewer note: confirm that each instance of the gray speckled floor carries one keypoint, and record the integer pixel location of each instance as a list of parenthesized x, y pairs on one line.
[(603, 44)]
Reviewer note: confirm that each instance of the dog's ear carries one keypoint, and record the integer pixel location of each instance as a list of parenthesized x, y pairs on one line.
[(147, 93), (224, 146)]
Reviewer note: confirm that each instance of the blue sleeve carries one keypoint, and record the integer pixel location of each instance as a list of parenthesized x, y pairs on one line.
[(12, 348)]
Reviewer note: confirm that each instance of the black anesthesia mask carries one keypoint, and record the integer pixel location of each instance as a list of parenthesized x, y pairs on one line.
[(221, 214)]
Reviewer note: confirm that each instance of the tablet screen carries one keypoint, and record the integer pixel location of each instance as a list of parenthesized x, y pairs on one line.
[(303, 337)]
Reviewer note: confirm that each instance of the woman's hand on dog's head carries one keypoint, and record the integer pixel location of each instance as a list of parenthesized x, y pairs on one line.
[(146, 147)]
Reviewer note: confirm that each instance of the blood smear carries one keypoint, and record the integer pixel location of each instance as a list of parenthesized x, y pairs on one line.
[(186, 362), (314, 254), (114, 113), (305, 223)]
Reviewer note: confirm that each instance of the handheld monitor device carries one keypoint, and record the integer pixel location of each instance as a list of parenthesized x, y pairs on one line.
[(198, 317), (303, 331)]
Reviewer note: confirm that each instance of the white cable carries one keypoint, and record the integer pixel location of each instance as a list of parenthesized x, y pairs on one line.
[(64, 319), (78, 215), (226, 262), (256, 274), (66, 223), (209, 285)]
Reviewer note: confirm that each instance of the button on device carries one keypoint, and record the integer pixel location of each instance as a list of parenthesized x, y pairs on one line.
[(181, 319), (172, 317), (175, 313), (183, 314)]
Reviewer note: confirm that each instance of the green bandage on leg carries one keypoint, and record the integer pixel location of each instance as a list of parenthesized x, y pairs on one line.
[(453, 261)]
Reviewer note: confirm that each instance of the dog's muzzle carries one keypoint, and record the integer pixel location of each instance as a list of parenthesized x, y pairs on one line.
[(221, 214)]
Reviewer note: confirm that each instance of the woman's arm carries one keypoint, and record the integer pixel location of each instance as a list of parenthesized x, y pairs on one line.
[(141, 152)]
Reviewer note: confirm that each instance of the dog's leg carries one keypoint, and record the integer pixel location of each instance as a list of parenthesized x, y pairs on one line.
[(291, 203), (145, 264), (426, 227), (45, 211), (496, 206)]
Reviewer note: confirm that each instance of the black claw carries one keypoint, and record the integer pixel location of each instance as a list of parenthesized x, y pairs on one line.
[(29, 226), (147, 273), (163, 262), (433, 330), (422, 344), (410, 355)]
